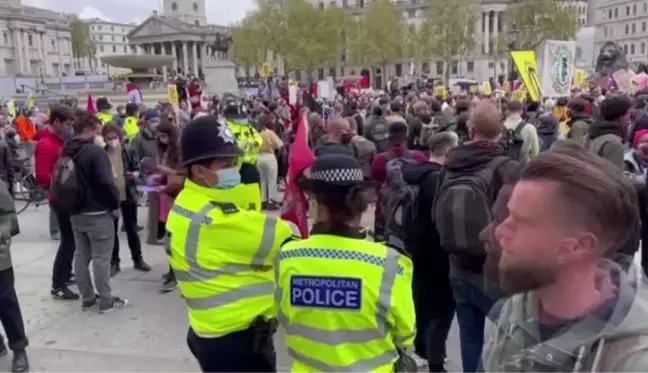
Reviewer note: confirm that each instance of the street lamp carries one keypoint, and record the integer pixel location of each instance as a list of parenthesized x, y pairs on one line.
[(513, 34)]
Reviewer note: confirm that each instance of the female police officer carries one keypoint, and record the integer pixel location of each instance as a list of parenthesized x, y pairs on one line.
[(222, 255), (346, 303)]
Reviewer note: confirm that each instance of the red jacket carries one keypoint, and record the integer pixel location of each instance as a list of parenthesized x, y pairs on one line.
[(46, 154)]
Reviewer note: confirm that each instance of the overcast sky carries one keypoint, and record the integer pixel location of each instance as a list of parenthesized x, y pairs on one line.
[(221, 12)]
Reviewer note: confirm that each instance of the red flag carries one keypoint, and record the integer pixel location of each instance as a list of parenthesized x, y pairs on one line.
[(295, 205), (91, 105)]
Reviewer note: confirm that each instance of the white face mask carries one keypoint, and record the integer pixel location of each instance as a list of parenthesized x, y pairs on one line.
[(113, 143), (99, 140)]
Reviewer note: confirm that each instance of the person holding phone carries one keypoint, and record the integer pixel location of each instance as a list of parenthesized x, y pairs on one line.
[(125, 167)]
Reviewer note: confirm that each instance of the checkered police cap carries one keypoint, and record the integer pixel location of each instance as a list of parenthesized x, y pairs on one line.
[(336, 170), (338, 175)]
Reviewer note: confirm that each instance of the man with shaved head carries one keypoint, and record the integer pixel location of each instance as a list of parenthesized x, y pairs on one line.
[(338, 137), (474, 174)]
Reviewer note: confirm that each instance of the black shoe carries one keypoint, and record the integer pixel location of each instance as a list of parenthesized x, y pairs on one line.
[(141, 266), (169, 284), (3, 349), (72, 280), (115, 303), (64, 293), (114, 269), (140, 228), (20, 363), (89, 304)]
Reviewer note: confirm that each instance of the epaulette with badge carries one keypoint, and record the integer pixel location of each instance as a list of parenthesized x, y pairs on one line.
[(226, 207)]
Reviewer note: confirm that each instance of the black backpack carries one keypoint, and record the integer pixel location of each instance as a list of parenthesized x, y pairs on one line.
[(462, 207), (379, 134), (66, 185), (512, 141), (399, 201)]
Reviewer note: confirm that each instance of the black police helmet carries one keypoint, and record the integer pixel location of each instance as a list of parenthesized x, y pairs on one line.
[(206, 138)]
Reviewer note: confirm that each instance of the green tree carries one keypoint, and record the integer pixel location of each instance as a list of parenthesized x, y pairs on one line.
[(82, 45), (305, 37), (540, 20), (378, 36), (448, 30), (247, 48)]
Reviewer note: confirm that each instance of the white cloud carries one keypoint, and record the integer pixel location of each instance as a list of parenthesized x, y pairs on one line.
[(89, 12), (222, 12)]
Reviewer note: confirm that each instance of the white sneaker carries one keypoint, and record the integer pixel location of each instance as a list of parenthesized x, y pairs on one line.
[(420, 362)]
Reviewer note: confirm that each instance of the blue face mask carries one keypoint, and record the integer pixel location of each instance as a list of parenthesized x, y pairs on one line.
[(228, 178), (240, 121)]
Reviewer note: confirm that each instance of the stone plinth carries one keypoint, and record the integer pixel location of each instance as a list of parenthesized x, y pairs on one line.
[(220, 77)]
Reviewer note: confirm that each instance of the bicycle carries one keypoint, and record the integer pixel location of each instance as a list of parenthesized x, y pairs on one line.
[(25, 187)]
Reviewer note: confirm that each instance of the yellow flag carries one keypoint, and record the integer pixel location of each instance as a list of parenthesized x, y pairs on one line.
[(173, 95), (474, 88), (11, 106), (506, 87), (519, 95), (30, 102), (527, 67), (266, 70), (486, 88), (441, 92), (580, 78)]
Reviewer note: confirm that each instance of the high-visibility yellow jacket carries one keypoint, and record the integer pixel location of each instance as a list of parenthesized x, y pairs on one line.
[(248, 139), (222, 256), (345, 303), (131, 129), (104, 117)]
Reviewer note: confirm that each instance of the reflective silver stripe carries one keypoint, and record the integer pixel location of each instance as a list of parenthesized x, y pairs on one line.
[(367, 365), (197, 273), (340, 336), (400, 340), (278, 292), (241, 292)]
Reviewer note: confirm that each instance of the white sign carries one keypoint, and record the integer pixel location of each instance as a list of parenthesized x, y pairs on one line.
[(557, 68), (292, 94)]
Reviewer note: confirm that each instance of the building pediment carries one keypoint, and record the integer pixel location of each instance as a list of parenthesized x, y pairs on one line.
[(155, 26)]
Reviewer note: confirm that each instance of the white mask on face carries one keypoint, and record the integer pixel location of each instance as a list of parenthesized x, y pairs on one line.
[(99, 140), (113, 143)]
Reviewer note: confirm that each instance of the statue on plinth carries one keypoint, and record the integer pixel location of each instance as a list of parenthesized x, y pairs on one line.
[(221, 45)]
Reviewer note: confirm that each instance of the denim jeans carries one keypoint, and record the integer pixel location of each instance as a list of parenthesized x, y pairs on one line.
[(473, 300)]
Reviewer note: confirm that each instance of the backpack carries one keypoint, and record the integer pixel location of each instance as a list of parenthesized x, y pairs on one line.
[(398, 197), (512, 141), (426, 131), (379, 134), (462, 207), (66, 186)]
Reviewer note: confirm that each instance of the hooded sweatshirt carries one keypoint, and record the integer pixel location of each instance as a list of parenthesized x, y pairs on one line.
[(547, 128), (95, 175), (471, 158), (611, 338), (606, 140), (578, 128)]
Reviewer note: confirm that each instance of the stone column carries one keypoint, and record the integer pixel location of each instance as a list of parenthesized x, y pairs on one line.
[(46, 65), (487, 33), (72, 66), (59, 47), (496, 25), (27, 59), (17, 50), (195, 58), (174, 53), (185, 58), (204, 55), (480, 32), (41, 52)]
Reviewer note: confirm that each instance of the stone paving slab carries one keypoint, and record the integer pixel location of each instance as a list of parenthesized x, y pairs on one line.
[(148, 335)]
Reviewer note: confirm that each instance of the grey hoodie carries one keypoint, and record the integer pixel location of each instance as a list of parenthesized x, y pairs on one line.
[(614, 337)]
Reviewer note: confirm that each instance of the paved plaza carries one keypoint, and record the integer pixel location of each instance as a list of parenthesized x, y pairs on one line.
[(149, 335)]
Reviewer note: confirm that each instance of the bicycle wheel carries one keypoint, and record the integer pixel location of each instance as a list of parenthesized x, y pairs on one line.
[(20, 210)]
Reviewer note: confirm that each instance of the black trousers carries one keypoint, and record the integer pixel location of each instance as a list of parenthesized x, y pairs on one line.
[(10, 314), (62, 269), (129, 213), (435, 307), (229, 353)]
